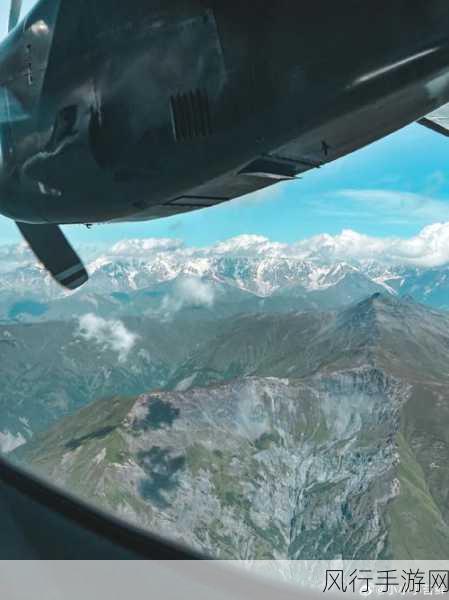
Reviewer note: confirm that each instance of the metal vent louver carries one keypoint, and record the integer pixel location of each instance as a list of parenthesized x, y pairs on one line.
[(191, 116)]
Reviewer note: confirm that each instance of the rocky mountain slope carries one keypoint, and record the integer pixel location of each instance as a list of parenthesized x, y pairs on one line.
[(300, 438)]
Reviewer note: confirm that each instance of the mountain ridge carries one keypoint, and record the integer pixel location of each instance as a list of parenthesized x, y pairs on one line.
[(317, 443), (320, 273)]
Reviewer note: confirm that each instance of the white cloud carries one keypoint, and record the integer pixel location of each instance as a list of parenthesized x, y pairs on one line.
[(393, 206), (188, 291), (9, 441), (248, 245), (14, 256), (146, 246), (430, 248), (110, 334)]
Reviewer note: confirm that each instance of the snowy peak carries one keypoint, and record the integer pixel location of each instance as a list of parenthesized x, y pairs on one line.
[(334, 270)]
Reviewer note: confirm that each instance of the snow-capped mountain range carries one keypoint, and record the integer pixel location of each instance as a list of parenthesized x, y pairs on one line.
[(336, 270)]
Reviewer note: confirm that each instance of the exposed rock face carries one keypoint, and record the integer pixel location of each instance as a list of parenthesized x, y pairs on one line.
[(282, 440), (257, 468)]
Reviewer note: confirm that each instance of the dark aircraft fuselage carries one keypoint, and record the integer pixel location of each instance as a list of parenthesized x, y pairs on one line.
[(141, 109)]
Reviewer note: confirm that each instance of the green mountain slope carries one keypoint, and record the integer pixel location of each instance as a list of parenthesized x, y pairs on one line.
[(49, 370), (318, 437)]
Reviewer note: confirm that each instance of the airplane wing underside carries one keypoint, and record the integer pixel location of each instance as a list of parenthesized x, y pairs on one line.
[(256, 176)]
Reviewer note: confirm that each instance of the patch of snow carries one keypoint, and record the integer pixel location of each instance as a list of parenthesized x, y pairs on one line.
[(9, 441), (186, 383), (100, 456)]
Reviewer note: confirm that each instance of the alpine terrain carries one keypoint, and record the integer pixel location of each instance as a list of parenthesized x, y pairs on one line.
[(308, 433)]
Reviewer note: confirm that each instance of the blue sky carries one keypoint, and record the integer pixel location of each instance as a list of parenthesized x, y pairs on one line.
[(393, 187), (4, 13)]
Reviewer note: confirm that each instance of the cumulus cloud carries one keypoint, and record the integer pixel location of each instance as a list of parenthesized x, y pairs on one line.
[(249, 245), (188, 291), (429, 248), (143, 247), (109, 334)]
